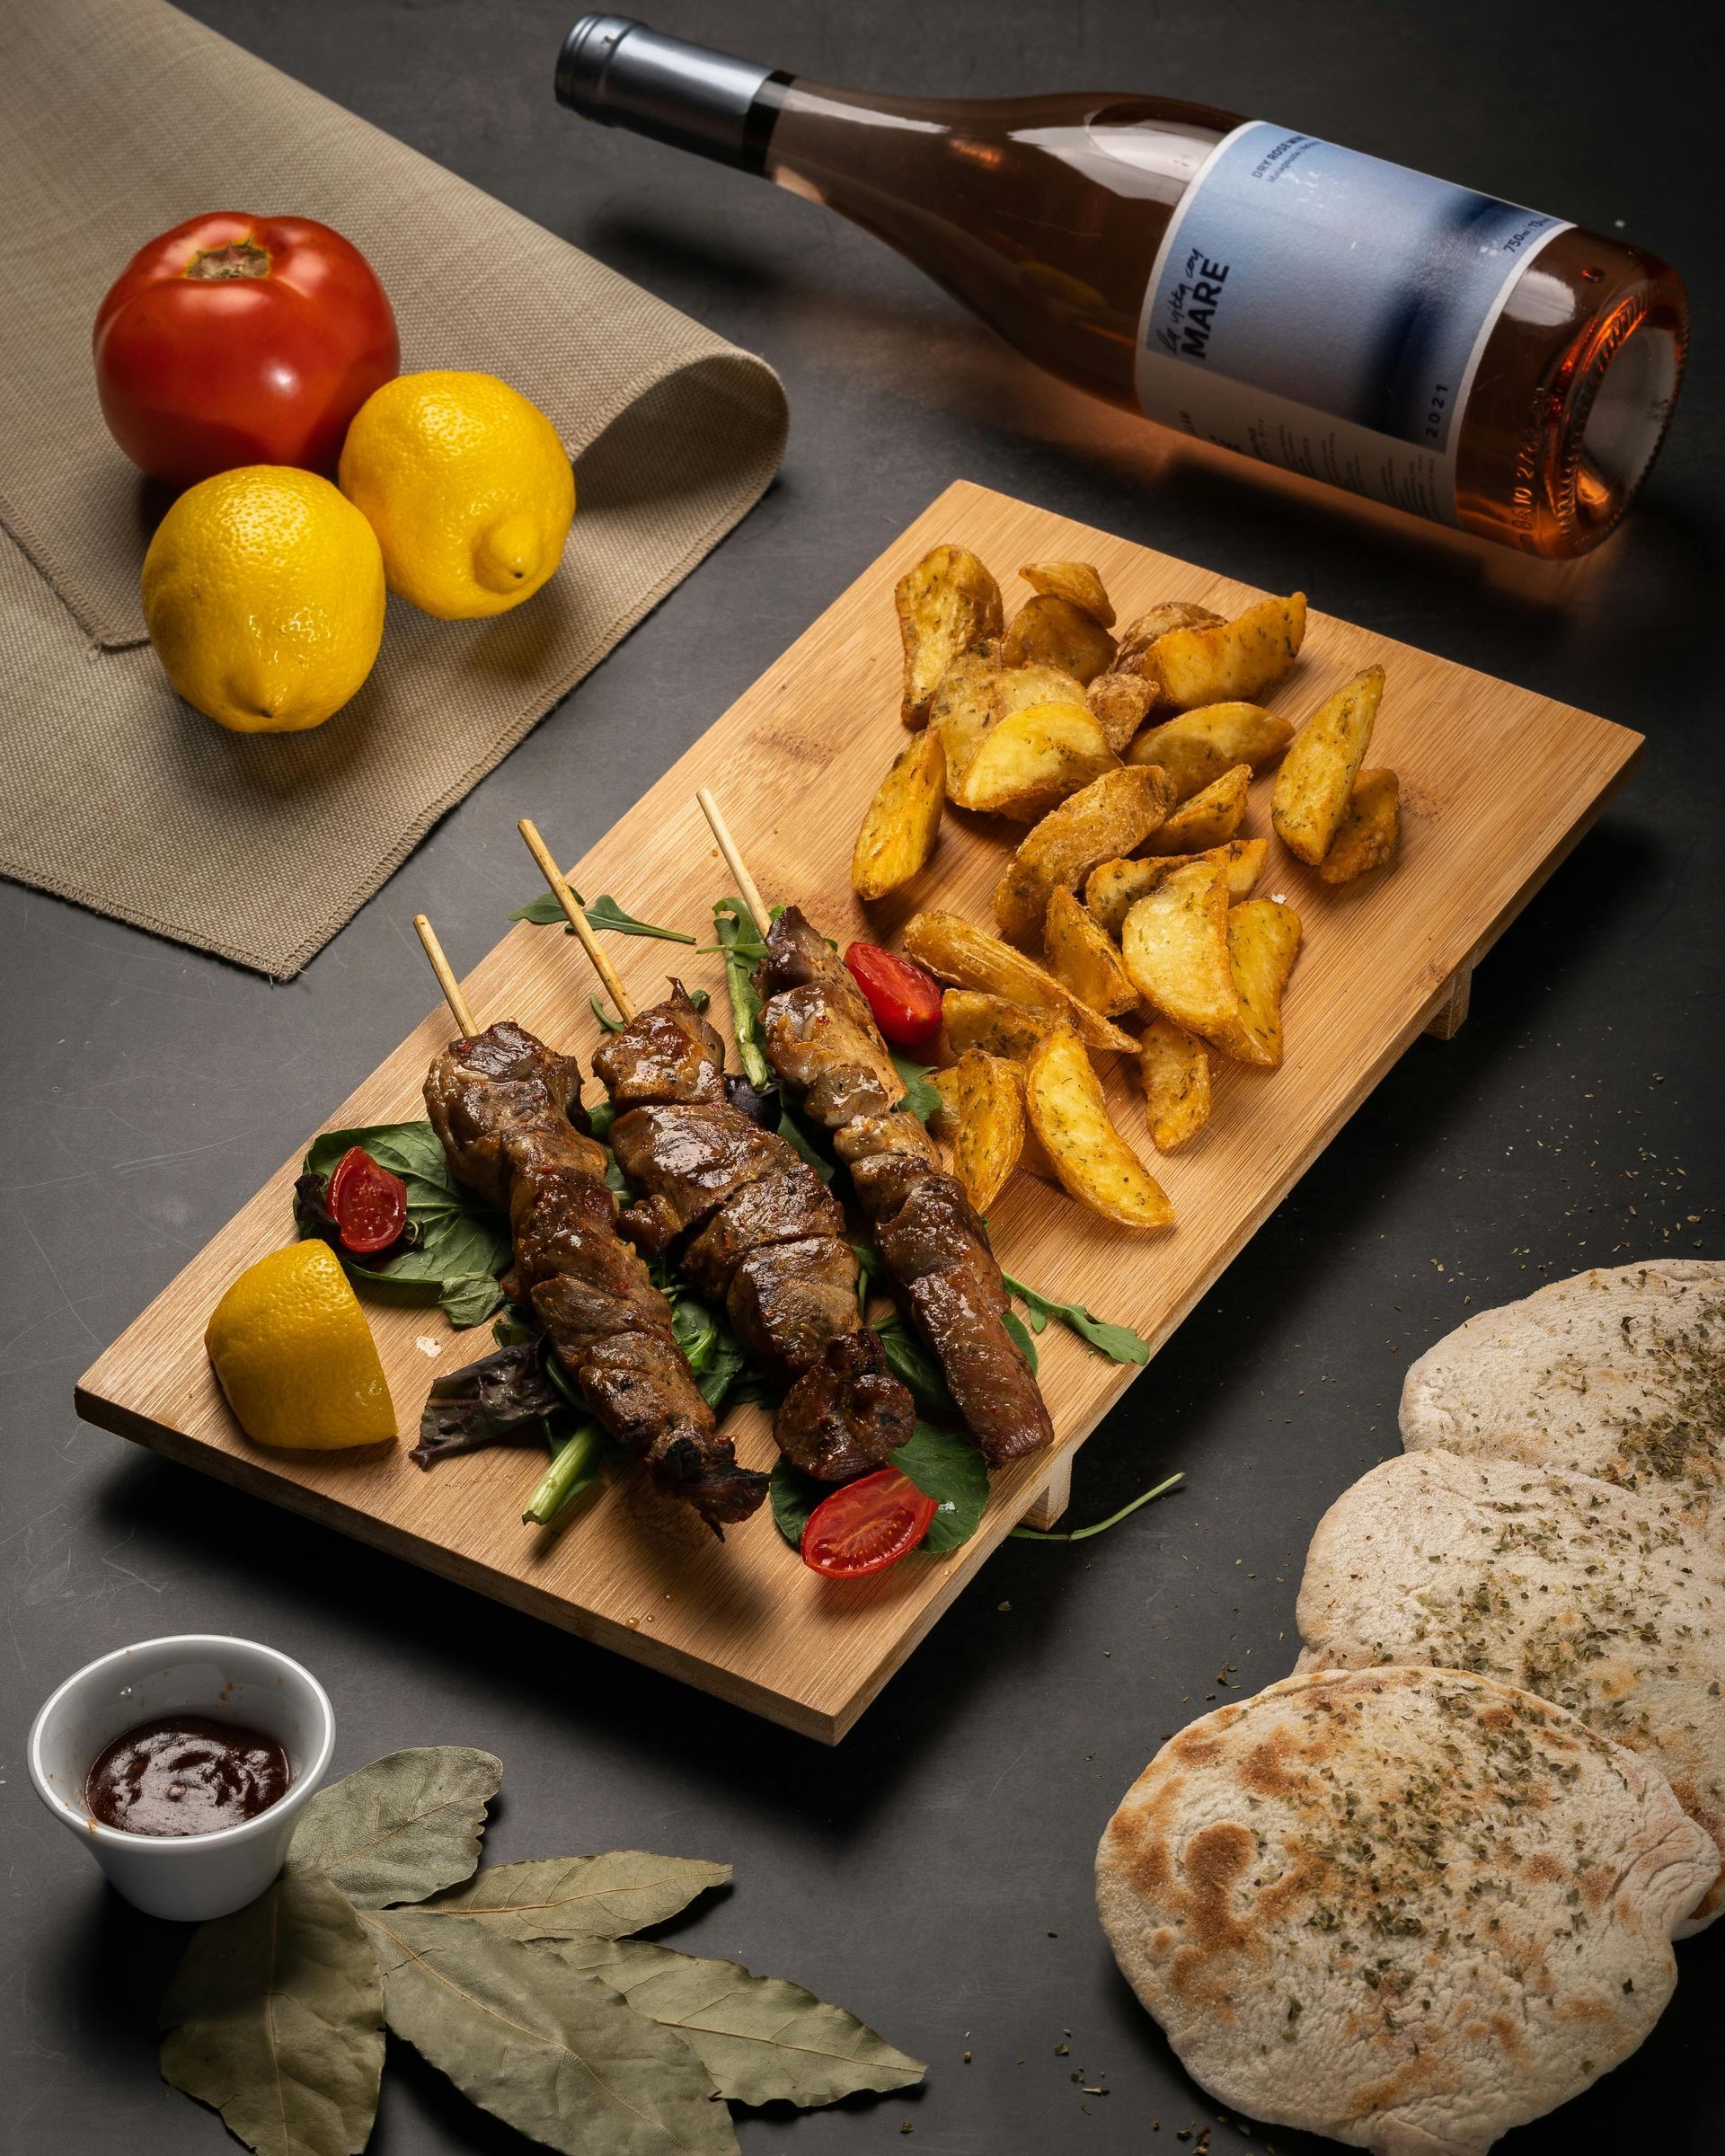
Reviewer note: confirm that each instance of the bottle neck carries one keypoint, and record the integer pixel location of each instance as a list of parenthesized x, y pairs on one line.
[(621, 73)]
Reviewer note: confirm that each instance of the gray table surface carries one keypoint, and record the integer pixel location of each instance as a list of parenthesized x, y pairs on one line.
[(935, 1873)]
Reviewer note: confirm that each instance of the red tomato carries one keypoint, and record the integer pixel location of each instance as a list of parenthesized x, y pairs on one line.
[(866, 1525), (369, 1203), (234, 340), (905, 1001)]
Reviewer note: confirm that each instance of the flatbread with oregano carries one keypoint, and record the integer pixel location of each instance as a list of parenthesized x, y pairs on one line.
[(1409, 1908)]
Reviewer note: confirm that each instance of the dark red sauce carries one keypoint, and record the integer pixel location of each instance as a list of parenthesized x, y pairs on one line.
[(186, 1774)]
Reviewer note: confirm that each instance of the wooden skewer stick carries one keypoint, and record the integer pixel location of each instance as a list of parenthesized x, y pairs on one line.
[(576, 918), (748, 889), (446, 974)]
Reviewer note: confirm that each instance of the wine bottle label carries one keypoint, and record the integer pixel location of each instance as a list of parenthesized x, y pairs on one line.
[(1325, 311)]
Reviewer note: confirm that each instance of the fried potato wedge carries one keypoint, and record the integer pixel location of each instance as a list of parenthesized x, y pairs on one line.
[(1199, 746), (1030, 760), (943, 1118), (1020, 687), (976, 1020), (1121, 703), (1064, 1099), (954, 951), (1085, 959), (1078, 582), (1110, 815), (1137, 636), (989, 1140), (1370, 826), (903, 820), (1209, 818), (1052, 632), (964, 706), (1175, 1070), (1316, 778), (1176, 947), (1263, 942), (946, 603), (1227, 660), (1112, 889)]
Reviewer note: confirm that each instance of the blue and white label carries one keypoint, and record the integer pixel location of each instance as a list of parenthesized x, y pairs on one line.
[(1325, 311)]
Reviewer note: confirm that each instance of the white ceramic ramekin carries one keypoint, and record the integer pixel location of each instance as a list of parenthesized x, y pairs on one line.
[(186, 1877)]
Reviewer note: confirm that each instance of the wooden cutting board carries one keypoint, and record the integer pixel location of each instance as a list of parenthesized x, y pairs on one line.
[(1496, 786)]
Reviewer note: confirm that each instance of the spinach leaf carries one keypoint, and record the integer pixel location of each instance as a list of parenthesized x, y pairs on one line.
[(913, 1367), (922, 1097), (794, 1132), (502, 1397), (605, 912), (451, 1235), (952, 1471), (1120, 1343), (739, 939), (1021, 1339), (600, 1117), (709, 1345), (793, 1495), (469, 1299)]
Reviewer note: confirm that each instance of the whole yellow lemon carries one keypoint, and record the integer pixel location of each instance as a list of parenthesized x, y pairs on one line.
[(295, 1355), (264, 595), (467, 488)]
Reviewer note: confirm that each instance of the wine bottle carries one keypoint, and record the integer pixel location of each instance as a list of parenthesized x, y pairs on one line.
[(1410, 340)]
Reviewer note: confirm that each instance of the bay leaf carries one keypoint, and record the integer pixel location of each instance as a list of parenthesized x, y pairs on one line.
[(551, 2050), (275, 2017), (588, 1897), (763, 2039), (400, 1829)]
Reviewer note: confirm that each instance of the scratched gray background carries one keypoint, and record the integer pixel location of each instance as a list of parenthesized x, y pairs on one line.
[(933, 1874)]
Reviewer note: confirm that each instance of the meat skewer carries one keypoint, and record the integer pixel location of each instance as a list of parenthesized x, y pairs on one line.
[(757, 1230), (508, 1109), (822, 1040)]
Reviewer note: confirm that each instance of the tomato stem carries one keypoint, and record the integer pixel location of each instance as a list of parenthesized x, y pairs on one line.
[(239, 258)]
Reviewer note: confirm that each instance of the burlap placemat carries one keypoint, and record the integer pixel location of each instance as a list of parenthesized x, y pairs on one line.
[(118, 119)]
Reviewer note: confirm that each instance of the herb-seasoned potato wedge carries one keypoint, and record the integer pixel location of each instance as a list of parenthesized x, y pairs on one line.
[(1229, 659), (1113, 889), (946, 603), (1052, 632), (903, 820), (1174, 1070), (1199, 746), (970, 957), (1069, 1114), (990, 1134), (1137, 636), (964, 707), (1209, 818), (943, 1120), (1110, 815), (1034, 683), (974, 1020), (1370, 826), (1175, 946), (1085, 959), (1317, 776), (1076, 582), (1263, 942), (1031, 760), (1120, 703)]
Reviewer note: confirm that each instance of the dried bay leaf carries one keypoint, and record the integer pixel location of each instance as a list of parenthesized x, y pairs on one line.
[(551, 2050), (275, 2017), (764, 2040), (587, 1897), (400, 1829)]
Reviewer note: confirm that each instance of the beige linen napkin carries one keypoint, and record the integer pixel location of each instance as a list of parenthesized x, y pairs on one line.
[(118, 118)]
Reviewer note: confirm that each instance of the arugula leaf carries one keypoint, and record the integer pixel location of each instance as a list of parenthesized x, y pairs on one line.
[(611, 1025), (1120, 1343), (922, 1097), (453, 1237), (544, 912), (739, 940), (1083, 1534), (1021, 1339), (952, 1471)]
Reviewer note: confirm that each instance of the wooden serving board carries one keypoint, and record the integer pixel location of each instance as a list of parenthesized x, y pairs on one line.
[(1496, 786)]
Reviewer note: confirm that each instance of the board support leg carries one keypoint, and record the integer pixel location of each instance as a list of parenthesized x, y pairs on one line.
[(1446, 1022), (1052, 1500)]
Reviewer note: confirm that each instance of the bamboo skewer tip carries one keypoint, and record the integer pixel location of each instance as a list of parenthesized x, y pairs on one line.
[(576, 917), (458, 1004), (747, 890)]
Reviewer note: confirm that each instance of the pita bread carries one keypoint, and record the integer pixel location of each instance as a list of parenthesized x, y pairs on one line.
[(1590, 1596), (1619, 1374), (1410, 1908)]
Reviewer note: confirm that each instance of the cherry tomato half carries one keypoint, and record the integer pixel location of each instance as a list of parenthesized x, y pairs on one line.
[(369, 1203), (905, 1001), (235, 340), (866, 1525)]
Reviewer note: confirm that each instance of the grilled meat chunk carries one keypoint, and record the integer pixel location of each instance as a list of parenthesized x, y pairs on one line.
[(503, 1104), (667, 1053), (929, 1236), (787, 1205), (847, 1412)]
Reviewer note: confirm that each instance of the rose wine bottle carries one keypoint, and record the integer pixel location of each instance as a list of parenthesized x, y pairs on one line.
[(1412, 342)]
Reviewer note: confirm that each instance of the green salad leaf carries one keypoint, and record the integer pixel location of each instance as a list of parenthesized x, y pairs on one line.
[(949, 1469), (922, 1097), (739, 940), (1083, 1534), (1021, 1336), (452, 1240), (1120, 1343), (545, 912)]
